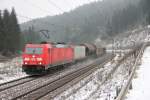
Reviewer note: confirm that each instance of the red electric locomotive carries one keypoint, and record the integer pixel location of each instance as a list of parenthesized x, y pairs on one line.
[(37, 58)]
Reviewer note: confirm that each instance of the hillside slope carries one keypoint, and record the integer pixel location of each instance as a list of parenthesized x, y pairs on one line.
[(86, 23)]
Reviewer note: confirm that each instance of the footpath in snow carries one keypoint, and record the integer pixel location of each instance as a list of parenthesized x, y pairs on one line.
[(141, 84)]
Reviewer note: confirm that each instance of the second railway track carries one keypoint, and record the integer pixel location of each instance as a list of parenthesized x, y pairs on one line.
[(16, 82)]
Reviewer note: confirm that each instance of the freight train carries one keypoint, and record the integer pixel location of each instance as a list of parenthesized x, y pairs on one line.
[(38, 58)]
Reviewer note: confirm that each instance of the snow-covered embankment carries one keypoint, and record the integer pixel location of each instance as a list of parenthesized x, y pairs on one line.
[(11, 70), (141, 84), (93, 87)]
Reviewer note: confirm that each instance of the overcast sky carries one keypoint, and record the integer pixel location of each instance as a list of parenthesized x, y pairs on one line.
[(40, 8)]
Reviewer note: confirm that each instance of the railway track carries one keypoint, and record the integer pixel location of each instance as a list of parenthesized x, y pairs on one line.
[(22, 80), (16, 82), (4, 59), (66, 81), (36, 88), (53, 94)]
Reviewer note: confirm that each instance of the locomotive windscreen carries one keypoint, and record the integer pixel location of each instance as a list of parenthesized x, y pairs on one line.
[(34, 50)]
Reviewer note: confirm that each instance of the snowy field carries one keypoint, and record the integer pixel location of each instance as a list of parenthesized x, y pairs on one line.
[(11, 70), (141, 85)]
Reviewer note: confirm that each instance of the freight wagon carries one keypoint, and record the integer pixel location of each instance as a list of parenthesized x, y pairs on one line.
[(79, 52), (90, 49)]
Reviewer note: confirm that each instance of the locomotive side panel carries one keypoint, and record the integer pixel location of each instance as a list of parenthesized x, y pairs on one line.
[(61, 56), (69, 52), (55, 57)]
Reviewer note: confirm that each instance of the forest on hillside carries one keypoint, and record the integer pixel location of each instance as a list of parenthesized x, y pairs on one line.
[(102, 20)]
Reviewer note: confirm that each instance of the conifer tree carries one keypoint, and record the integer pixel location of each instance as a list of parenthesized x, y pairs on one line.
[(9, 32), (1, 32), (7, 38), (15, 31)]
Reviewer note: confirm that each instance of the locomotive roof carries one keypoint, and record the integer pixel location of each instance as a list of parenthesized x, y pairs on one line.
[(39, 45), (49, 45)]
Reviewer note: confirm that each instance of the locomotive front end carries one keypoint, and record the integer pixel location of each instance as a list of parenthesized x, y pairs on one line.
[(34, 59)]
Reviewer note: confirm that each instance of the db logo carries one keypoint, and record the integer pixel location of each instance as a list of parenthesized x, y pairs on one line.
[(33, 59)]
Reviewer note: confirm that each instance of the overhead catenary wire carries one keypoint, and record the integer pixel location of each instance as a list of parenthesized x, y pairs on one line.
[(68, 4), (59, 8), (23, 16), (41, 9), (85, 18), (31, 19), (19, 15), (40, 31), (36, 6), (56, 6)]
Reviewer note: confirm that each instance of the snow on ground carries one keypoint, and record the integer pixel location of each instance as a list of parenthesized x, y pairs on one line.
[(141, 85), (92, 87), (136, 36), (11, 70), (108, 91), (84, 88)]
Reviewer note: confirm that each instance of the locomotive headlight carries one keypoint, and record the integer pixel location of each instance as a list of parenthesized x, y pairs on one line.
[(39, 59), (26, 59), (25, 63), (33, 56), (40, 63)]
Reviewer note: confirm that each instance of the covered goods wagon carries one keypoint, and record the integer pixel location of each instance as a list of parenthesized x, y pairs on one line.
[(79, 52)]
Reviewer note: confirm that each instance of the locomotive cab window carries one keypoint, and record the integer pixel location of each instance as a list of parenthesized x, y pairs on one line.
[(34, 50)]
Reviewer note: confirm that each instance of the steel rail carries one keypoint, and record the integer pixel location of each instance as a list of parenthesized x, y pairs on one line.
[(22, 89), (52, 86)]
